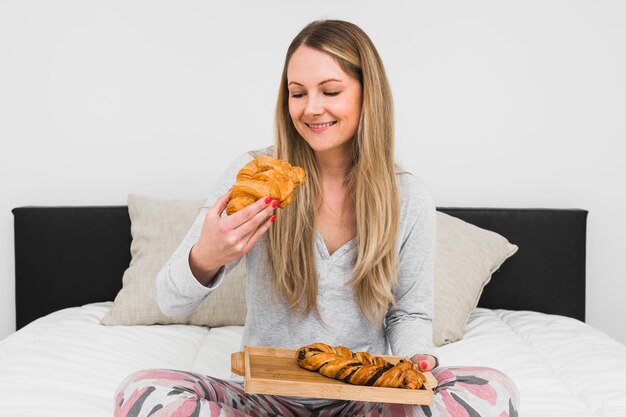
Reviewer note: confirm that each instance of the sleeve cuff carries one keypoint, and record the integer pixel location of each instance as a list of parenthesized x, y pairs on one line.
[(188, 284)]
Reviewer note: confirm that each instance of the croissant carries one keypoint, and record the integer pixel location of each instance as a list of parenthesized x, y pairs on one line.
[(359, 368), (265, 176)]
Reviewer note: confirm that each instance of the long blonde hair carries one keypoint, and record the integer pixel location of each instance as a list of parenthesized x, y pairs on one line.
[(371, 180)]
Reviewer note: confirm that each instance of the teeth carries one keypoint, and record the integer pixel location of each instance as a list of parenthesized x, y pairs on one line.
[(321, 125)]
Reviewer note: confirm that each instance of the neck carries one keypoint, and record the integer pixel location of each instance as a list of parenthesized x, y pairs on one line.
[(333, 165)]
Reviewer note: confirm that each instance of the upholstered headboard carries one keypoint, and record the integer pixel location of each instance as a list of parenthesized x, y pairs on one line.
[(69, 256)]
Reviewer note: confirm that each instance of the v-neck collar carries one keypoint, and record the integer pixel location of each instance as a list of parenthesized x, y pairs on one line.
[(323, 249)]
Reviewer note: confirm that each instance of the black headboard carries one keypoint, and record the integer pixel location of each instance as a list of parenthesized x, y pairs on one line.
[(69, 256)]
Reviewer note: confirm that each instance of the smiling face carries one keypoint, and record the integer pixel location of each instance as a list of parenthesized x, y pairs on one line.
[(324, 101)]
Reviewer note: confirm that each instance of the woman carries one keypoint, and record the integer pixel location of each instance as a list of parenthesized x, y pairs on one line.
[(349, 262)]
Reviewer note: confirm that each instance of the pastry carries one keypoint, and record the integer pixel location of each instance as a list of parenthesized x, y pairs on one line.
[(359, 368), (265, 176)]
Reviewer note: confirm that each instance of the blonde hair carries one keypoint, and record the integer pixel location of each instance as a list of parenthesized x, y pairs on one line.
[(371, 180)]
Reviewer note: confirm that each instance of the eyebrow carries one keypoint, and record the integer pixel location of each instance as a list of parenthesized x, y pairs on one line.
[(323, 82)]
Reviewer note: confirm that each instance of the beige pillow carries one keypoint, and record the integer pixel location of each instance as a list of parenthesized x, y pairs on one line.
[(158, 226), (466, 256)]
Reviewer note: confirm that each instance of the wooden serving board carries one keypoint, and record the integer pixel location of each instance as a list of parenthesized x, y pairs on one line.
[(275, 371)]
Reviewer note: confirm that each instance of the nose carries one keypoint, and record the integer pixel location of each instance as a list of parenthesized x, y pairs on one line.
[(314, 105)]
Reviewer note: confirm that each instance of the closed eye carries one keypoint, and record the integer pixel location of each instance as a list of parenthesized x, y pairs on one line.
[(332, 94)]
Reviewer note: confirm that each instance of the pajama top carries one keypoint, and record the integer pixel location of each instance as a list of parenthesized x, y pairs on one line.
[(407, 328)]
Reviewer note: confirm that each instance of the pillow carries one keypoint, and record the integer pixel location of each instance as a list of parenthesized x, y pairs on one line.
[(158, 226), (465, 258)]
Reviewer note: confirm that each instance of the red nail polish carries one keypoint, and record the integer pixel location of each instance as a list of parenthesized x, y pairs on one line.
[(275, 203), (267, 200), (423, 365), (273, 219)]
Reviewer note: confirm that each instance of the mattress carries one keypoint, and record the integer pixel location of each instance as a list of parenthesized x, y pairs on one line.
[(67, 364)]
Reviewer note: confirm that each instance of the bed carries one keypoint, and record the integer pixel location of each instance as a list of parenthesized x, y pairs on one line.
[(529, 321)]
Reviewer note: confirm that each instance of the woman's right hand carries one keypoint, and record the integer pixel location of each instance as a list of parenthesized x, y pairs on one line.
[(222, 240)]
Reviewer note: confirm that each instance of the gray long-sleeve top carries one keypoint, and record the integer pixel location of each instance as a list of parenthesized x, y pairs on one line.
[(269, 322)]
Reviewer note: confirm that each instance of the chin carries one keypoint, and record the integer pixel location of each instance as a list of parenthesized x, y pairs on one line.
[(320, 147), (328, 144)]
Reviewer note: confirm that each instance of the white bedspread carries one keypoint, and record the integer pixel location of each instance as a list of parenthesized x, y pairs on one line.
[(66, 364)]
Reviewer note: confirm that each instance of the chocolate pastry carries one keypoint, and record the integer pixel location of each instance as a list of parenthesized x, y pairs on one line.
[(359, 368)]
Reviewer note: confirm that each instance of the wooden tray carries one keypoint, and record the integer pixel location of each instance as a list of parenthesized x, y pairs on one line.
[(275, 371)]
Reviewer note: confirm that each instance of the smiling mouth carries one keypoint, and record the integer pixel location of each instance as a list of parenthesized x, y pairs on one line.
[(320, 125)]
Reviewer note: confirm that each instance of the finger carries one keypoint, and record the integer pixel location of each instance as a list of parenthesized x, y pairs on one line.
[(222, 202), (259, 232), (245, 231), (424, 362), (247, 213)]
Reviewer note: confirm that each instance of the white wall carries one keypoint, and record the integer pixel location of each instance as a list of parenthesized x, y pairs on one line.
[(498, 104)]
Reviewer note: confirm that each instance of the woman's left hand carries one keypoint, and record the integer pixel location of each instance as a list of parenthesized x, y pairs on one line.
[(424, 362)]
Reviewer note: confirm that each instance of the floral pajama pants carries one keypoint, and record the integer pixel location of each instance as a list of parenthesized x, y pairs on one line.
[(460, 392)]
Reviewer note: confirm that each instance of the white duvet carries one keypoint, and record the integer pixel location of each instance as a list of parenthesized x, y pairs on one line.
[(67, 364)]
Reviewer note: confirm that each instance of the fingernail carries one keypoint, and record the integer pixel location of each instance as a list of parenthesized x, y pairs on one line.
[(273, 219), (423, 365), (267, 200), (275, 203)]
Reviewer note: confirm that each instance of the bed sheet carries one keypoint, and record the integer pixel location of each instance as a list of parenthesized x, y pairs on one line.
[(67, 364)]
